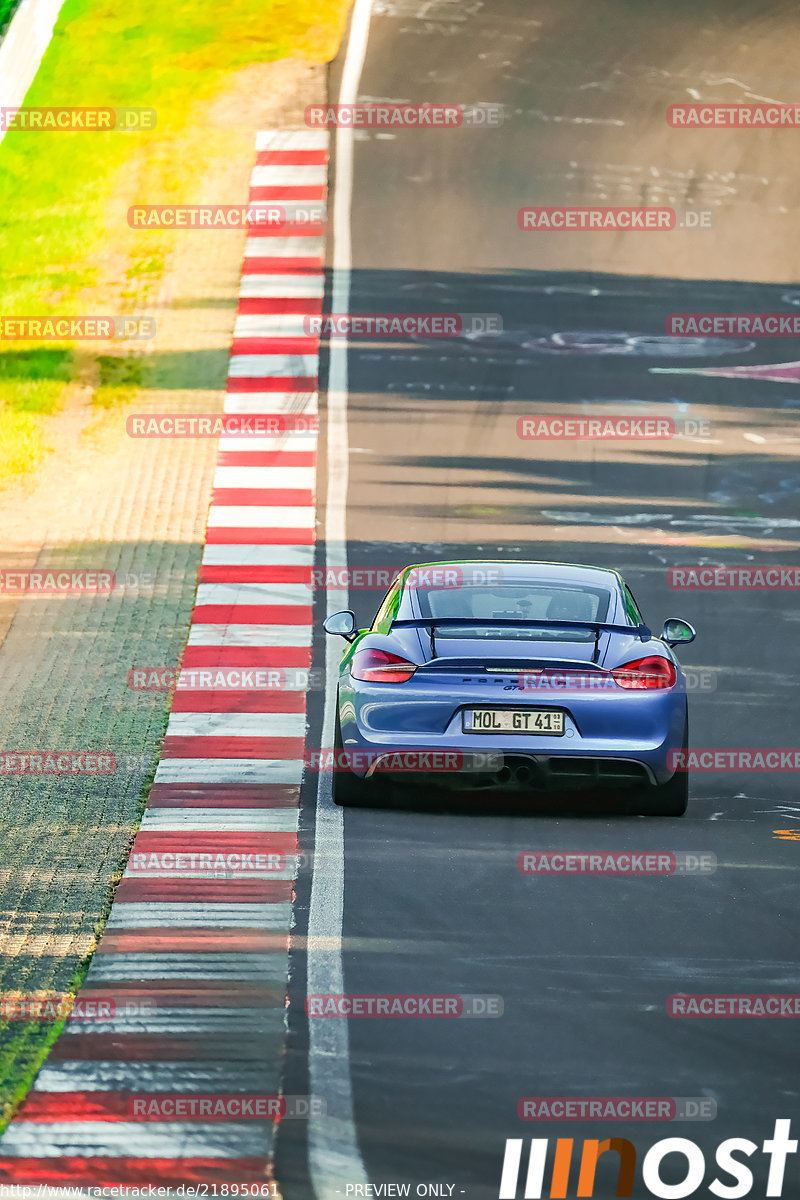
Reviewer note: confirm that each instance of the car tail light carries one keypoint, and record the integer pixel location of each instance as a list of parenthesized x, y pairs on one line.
[(650, 672), (379, 666)]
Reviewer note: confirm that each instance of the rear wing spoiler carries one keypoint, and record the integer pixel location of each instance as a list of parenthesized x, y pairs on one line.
[(596, 627)]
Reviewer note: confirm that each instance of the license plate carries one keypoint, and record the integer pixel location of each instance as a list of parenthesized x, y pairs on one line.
[(513, 720)]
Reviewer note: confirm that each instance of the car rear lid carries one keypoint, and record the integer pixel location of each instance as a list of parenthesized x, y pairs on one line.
[(457, 643)]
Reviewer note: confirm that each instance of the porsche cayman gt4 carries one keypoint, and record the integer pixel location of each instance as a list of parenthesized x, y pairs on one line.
[(527, 676)]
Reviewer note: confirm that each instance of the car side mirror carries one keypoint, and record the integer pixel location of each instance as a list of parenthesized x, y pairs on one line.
[(676, 632), (341, 623)]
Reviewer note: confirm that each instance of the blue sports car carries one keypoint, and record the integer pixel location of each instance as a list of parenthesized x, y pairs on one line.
[(525, 676)]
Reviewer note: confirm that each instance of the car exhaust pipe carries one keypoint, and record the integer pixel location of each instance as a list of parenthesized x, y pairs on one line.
[(504, 775), (524, 774)]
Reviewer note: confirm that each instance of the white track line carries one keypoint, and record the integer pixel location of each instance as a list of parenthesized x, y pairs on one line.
[(276, 325), (229, 770), (283, 287), (233, 725), (334, 1157), (284, 594), (251, 1022), (258, 516), (284, 442), (118, 968), (138, 915), (250, 635), (265, 477), (276, 402), (270, 402), (288, 871), (292, 139), (313, 175), (140, 1139), (237, 820), (236, 724), (260, 366), (310, 246), (187, 1078), (223, 555), (22, 49)]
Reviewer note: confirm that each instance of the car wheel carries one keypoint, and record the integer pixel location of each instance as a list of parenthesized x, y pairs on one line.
[(669, 799), (347, 789)]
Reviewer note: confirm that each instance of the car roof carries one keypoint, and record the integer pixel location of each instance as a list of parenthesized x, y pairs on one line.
[(531, 569)]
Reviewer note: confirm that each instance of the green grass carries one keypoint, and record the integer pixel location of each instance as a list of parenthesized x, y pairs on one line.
[(64, 196), (7, 10), (31, 383)]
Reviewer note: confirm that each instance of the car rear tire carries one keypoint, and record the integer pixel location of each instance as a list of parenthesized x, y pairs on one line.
[(669, 799), (347, 789)]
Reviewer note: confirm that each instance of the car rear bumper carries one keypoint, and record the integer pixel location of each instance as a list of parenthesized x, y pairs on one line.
[(525, 772), (546, 763), (609, 739)]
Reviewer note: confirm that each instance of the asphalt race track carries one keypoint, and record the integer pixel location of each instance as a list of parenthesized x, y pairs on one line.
[(433, 899)]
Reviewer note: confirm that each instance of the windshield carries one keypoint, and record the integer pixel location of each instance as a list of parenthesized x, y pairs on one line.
[(529, 600)]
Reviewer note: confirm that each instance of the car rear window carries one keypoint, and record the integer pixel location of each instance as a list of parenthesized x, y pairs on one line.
[(530, 600)]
